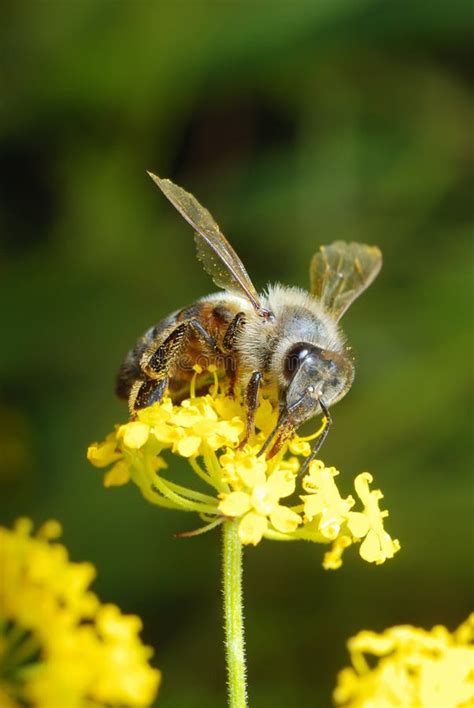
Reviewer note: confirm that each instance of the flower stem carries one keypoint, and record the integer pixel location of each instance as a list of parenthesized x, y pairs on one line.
[(233, 616)]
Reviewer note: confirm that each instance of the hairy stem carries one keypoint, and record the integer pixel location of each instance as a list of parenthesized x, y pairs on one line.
[(233, 616)]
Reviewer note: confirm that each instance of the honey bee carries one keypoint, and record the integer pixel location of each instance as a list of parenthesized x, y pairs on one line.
[(286, 342)]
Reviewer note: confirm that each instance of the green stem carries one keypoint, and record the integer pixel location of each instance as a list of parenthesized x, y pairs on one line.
[(233, 616)]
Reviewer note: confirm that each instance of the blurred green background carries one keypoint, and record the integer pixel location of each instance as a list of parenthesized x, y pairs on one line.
[(296, 123)]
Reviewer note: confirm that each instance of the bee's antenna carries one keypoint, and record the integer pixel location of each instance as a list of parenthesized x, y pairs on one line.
[(320, 440)]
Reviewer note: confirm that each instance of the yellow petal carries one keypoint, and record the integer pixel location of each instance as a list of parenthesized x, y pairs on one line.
[(230, 431), (313, 505), (285, 520), (118, 475), (370, 547), (376, 548), (361, 484), (282, 483), (49, 531), (311, 481), (264, 501), (134, 434), (234, 504), (244, 465), (228, 408), (104, 453), (166, 434), (299, 447), (186, 417), (188, 445), (329, 525), (112, 623), (265, 417), (358, 524), (251, 470), (252, 527), (292, 464), (156, 414)]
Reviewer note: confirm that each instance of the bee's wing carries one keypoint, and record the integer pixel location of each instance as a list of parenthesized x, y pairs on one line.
[(341, 272), (213, 249)]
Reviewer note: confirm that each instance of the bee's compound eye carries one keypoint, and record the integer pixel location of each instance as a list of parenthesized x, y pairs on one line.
[(294, 357)]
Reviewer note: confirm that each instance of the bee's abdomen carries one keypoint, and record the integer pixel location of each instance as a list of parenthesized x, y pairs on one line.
[(214, 313)]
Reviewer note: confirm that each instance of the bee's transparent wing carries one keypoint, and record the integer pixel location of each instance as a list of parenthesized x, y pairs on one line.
[(341, 271), (214, 251)]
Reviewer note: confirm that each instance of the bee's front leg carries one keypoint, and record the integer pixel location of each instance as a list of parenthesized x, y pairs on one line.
[(229, 346), (232, 332), (251, 394), (251, 402)]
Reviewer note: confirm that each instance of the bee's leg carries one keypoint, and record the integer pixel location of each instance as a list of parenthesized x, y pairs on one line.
[(156, 364), (203, 334), (251, 402), (167, 355), (145, 393), (228, 345), (232, 332)]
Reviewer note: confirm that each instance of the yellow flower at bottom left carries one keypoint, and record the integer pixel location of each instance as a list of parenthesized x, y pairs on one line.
[(59, 646)]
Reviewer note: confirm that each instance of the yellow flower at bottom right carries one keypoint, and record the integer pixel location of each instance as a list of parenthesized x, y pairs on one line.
[(409, 666)]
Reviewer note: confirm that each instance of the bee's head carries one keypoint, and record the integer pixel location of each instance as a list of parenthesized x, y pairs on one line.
[(311, 375)]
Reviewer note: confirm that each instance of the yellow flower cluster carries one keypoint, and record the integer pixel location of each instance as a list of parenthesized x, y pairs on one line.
[(251, 489), (414, 668), (58, 645)]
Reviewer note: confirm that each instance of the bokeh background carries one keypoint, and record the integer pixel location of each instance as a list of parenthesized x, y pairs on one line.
[(296, 123)]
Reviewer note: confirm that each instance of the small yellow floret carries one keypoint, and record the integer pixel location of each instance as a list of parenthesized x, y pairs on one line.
[(134, 434), (244, 486), (235, 504), (58, 645), (252, 528), (413, 667), (105, 453)]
